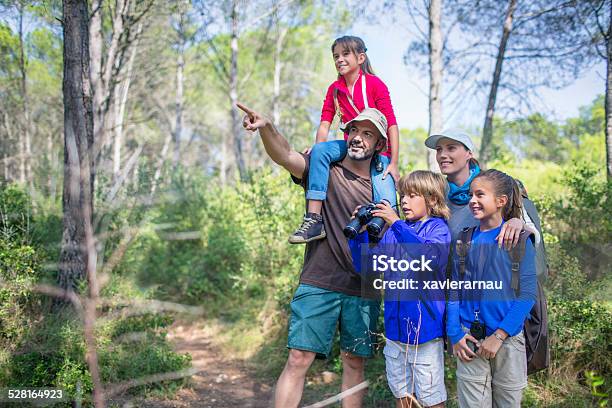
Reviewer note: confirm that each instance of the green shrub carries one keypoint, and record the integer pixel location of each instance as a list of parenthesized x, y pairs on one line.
[(19, 267), (137, 324), (238, 242), (580, 332), (567, 278), (54, 355), (18, 273), (581, 221), (15, 213), (41, 347)]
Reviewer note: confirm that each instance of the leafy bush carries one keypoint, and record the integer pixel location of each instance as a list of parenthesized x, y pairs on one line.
[(582, 220), (42, 348), (580, 334), (53, 354), (221, 242), (15, 213), (18, 273), (19, 267), (577, 229)]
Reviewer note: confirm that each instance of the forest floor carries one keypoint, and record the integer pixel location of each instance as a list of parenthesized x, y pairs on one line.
[(225, 379), (222, 381)]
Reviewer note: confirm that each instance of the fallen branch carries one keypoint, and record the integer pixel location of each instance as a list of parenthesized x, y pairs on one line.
[(113, 389), (341, 396), (140, 307)]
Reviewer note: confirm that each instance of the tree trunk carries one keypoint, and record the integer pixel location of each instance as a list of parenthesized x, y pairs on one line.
[(120, 107), (135, 177), (435, 77), (78, 255), (51, 164), (160, 162), (97, 84), (278, 66), (7, 157), (22, 155), (78, 141), (487, 130), (104, 63), (608, 103), (223, 162), (6, 168), (180, 72), (233, 94), (25, 167), (22, 142)]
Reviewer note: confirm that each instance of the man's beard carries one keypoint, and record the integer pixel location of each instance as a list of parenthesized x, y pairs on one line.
[(363, 154)]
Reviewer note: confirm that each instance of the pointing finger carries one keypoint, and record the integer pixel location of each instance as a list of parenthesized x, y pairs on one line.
[(246, 110)]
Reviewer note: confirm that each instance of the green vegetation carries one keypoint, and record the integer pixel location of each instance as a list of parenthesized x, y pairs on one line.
[(225, 248), (206, 239), (41, 346)]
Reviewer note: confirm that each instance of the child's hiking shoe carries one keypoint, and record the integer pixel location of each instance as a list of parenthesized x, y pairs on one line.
[(312, 228)]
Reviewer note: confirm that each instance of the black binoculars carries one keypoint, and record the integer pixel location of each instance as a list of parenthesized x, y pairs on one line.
[(374, 225)]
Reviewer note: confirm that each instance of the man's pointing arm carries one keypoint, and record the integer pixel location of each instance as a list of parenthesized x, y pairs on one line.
[(275, 144)]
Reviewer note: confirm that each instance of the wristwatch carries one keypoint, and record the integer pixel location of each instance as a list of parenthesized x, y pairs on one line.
[(498, 337)]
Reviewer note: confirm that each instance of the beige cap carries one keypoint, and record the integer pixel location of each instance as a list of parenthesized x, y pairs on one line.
[(372, 115)]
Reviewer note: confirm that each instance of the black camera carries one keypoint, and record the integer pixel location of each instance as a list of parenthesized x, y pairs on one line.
[(364, 216), (478, 331)]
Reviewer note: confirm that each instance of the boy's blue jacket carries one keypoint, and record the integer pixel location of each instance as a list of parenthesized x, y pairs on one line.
[(411, 316), (499, 308)]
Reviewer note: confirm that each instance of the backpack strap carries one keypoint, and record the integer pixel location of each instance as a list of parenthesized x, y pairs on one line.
[(462, 247), (516, 256), (337, 105), (363, 90)]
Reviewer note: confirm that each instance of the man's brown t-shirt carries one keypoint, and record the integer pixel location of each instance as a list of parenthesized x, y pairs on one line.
[(327, 262)]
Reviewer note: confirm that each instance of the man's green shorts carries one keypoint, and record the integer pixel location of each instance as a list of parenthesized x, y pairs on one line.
[(315, 313)]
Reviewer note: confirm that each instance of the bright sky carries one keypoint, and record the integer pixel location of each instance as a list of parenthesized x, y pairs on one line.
[(409, 91)]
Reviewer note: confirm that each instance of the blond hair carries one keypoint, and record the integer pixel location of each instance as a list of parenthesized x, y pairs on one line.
[(431, 186)]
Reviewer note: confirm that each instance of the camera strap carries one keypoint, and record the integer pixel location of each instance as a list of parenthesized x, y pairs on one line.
[(479, 275)]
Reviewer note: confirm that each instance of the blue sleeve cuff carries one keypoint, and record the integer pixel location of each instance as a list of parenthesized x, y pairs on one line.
[(508, 328), (456, 337)]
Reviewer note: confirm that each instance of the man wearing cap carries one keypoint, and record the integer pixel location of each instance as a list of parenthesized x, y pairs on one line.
[(329, 293)]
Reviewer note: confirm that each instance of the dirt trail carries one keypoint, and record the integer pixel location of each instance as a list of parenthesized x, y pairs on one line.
[(221, 382)]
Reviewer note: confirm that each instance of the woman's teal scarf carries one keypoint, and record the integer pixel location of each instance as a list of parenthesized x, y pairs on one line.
[(461, 195)]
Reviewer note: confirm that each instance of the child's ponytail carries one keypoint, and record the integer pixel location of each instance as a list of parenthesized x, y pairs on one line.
[(356, 46), (505, 185), (515, 207)]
